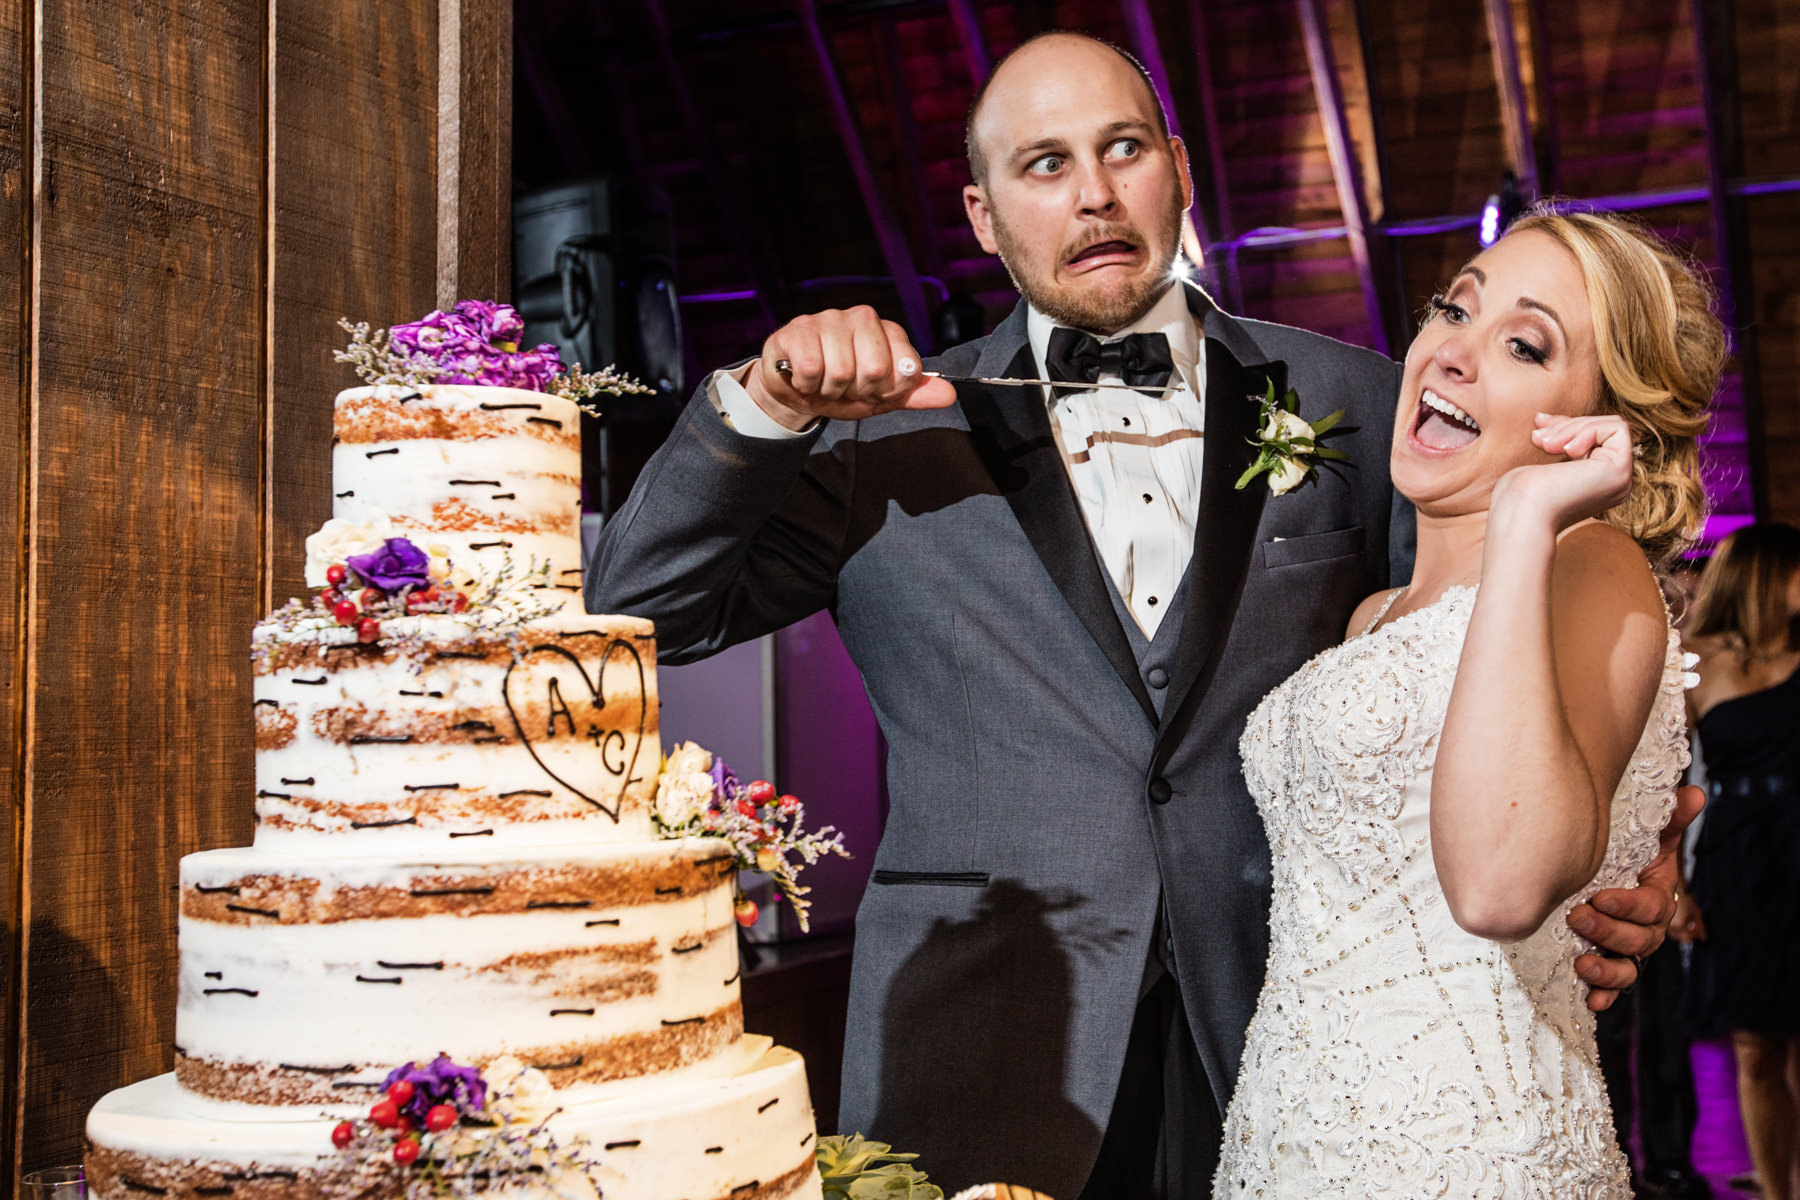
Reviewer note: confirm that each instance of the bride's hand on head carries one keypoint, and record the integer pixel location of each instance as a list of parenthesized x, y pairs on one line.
[(1593, 476)]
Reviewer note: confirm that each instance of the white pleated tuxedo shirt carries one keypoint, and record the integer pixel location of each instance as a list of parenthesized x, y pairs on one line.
[(1134, 460)]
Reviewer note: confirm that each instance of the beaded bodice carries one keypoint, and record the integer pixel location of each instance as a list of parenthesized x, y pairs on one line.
[(1392, 1053)]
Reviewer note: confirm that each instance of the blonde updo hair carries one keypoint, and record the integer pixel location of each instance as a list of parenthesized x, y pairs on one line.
[(1661, 352)]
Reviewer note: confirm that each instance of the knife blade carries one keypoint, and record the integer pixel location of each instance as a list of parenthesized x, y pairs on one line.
[(783, 367)]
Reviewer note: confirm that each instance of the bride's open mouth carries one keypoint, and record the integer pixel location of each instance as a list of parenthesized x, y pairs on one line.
[(1441, 425)]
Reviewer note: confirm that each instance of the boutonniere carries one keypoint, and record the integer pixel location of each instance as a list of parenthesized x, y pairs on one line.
[(1287, 445)]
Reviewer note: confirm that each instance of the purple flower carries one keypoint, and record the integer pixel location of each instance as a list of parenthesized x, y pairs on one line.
[(424, 336), (725, 782), (397, 564), (439, 1082), (498, 323), (478, 343)]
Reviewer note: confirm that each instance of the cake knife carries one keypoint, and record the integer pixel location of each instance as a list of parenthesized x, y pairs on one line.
[(783, 367)]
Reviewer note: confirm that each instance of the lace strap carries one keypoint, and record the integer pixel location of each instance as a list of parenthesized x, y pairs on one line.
[(1382, 612)]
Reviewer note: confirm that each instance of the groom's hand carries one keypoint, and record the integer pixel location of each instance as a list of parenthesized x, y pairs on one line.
[(1631, 922), (842, 364)]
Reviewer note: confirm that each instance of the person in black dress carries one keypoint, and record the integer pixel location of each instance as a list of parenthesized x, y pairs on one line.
[(1746, 628)]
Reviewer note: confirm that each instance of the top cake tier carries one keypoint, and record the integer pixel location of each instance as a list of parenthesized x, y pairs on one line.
[(485, 472)]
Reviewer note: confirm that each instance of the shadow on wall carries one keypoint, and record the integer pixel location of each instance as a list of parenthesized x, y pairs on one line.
[(77, 1024)]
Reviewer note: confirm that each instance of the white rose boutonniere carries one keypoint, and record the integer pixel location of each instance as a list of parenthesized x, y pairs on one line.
[(339, 539), (1287, 444)]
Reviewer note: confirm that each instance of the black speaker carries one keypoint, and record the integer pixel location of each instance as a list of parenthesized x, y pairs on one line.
[(594, 272)]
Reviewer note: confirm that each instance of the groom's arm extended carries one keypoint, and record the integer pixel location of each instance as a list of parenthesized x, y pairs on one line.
[(1631, 922), (733, 532)]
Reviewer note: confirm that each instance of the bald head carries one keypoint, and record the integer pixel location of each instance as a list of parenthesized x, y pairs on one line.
[(1060, 48)]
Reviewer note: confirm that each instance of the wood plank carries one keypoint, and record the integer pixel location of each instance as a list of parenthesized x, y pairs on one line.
[(474, 150), (15, 237), (146, 527), (355, 227)]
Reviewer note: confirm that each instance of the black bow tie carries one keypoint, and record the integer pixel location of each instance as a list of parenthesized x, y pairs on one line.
[(1140, 359)]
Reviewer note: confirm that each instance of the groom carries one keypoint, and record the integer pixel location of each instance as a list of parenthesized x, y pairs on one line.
[(1063, 609)]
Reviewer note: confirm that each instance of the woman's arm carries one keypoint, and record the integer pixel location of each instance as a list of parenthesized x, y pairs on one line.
[(1561, 665)]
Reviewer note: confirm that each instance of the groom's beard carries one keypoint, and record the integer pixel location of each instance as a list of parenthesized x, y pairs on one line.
[(1099, 311)]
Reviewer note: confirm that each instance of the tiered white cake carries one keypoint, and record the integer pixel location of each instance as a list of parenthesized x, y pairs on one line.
[(454, 854)]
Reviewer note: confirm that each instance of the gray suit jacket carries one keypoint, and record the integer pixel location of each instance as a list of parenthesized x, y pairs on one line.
[(1039, 806)]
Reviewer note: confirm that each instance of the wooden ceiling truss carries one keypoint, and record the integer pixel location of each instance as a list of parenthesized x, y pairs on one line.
[(1715, 53), (1345, 172), (888, 233), (731, 200)]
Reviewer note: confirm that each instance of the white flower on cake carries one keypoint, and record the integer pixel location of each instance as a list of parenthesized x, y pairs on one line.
[(518, 1092), (340, 538), (698, 795), (440, 560), (686, 786)]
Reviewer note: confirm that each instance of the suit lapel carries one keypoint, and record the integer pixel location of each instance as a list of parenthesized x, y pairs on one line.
[(1011, 427), (1225, 533)]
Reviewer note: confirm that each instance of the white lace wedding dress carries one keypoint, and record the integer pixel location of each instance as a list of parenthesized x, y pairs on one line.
[(1393, 1054)]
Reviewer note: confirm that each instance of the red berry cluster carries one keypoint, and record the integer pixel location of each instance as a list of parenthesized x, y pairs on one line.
[(357, 611), (386, 1114), (759, 801)]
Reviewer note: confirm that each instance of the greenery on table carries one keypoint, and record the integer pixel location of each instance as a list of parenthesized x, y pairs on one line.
[(855, 1169)]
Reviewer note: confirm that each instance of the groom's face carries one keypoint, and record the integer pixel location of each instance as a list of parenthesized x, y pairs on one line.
[(1084, 194)]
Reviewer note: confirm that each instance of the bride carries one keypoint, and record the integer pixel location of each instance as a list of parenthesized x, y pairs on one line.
[(1493, 742)]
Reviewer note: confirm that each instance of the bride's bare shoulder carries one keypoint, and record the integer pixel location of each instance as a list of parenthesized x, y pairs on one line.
[(1365, 612)]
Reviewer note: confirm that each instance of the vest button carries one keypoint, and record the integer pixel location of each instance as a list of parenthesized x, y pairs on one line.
[(1160, 791), (1157, 677)]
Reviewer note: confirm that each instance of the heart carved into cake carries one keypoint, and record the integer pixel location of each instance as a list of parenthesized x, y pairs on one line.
[(565, 719)]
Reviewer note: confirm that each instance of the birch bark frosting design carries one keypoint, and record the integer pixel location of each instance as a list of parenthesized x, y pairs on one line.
[(455, 857)]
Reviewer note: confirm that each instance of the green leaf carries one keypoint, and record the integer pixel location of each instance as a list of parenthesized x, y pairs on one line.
[(1256, 468), (1292, 398), (894, 1182), (1330, 455), (1325, 425)]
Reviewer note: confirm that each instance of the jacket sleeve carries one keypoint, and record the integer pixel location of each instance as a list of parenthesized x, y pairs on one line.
[(726, 537)]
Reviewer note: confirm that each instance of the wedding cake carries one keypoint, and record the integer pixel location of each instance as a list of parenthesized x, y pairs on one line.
[(455, 855)]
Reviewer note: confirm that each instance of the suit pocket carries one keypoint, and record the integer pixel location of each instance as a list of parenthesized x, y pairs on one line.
[(932, 878), (1312, 547)]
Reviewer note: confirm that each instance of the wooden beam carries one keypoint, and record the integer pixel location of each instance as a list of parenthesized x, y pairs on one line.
[(1715, 55), (1543, 71), (21, 184), (1515, 110), (1330, 96), (1144, 43), (1391, 282), (974, 41), (732, 196), (906, 130), (874, 196), (474, 149), (1211, 158)]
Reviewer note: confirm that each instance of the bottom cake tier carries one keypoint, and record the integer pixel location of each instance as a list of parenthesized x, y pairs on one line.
[(745, 1134)]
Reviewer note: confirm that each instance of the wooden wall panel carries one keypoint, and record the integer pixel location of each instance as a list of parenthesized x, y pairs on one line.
[(1446, 142), (474, 162), (1773, 228), (1768, 46), (15, 139), (1627, 98), (217, 183), (147, 495), (355, 226)]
